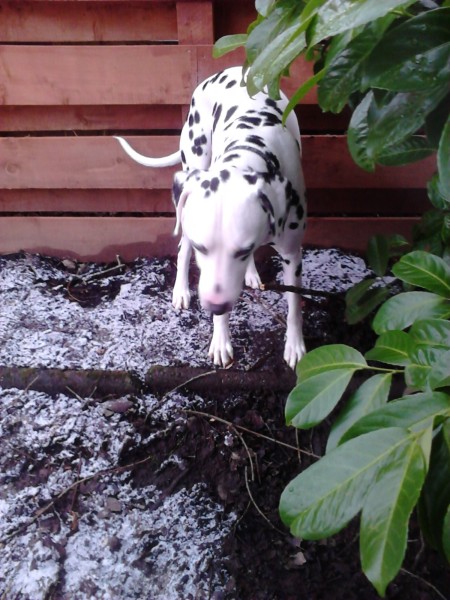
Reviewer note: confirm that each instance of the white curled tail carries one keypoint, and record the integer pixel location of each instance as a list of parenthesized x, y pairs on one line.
[(147, 161)]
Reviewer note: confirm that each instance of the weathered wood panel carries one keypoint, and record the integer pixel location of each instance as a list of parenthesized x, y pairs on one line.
[(62, 22), (99, 162), (102, 238), (68, 75)]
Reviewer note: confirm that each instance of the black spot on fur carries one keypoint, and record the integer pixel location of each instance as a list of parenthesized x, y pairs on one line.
[(177, 188), (191, 119), (230, 84), (255, 121), (224, 78), (183, 157), (197, 117), (266, 203), (273, 104), (293, 225), (199, 141), (205, 184), (298, 270), (256, 140), (191, 134), (230, 113), (231, 157), (215, 184), (224, 175), (300, 212), (217, 116)]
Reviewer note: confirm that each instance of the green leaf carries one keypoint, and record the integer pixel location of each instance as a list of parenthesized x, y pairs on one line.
[(326, 496), (410, 150), (358, 131), (371, 395), (393, 347), (264, 6), (410, 412), (423, 269), (386, 513), (435, 497), (378, 254), (301, 92), (394, 116), (402, 310), (443, 160), (227, 43), (421, 63), (313, 400), (337, 17), (429, 368), (362, 299), (327, 358), (431, 332), (435, 193), (344, 70), (436, 121)]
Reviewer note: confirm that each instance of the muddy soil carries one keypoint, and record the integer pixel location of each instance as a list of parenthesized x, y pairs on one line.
[(171, 496)]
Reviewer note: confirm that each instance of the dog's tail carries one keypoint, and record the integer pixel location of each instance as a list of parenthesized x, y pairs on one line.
[(147, 161)]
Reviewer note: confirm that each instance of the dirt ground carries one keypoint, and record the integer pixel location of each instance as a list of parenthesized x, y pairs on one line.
[(169, 496)]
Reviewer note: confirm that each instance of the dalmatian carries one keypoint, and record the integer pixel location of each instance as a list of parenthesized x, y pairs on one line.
[(241, 187)]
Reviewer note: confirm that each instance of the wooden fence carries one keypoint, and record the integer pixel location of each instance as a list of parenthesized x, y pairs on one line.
[(73, 73)]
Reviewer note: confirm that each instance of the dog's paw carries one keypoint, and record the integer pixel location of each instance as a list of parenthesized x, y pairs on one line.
[(252, 278), (221, 350), (181, 298), (293, 351)]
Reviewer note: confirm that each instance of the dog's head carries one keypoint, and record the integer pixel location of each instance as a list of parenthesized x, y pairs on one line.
[(225, 216)]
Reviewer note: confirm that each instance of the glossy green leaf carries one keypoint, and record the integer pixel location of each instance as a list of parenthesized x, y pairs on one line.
[(370, 396), (327, 358), (431, 332), (395, 116), (393, 348), (228, 43), (402, 310), (446, 535), (410, 150), (322, 499), (421, 63), (410, 412), (363, 298), (436, 121), (344, 70), (358, 131), (436, 194), (313, 400), (264, 6), (386, 513), (425, 270), (429, 367), (336, 17), (435, 498), (443, 160)]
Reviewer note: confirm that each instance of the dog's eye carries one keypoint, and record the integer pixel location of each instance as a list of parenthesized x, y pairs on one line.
[(244, 253), (200, 248)]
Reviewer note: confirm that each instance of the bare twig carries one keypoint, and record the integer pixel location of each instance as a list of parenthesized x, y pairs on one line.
[(276, 287), (255, 433), (424, 581), (260, 512)]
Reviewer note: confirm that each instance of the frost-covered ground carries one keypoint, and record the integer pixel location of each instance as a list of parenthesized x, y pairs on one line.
[(75, 520)]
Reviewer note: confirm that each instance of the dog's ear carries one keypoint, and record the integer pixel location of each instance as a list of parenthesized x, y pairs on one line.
[(180, 193)]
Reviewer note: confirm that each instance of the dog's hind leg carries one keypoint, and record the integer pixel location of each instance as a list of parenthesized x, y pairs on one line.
[(221, 350), (181, 296), (295, 346)]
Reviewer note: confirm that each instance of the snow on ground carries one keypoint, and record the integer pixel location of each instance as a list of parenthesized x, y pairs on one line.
[(121, 540)]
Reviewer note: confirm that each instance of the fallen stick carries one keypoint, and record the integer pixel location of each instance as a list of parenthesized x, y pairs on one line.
[(158, 380)]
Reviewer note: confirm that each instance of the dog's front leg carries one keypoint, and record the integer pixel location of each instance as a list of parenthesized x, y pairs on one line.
[(295, 346), (181, 295), (220, 350), (252, 278)]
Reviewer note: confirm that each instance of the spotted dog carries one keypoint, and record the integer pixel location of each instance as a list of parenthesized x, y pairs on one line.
[(241, 187)]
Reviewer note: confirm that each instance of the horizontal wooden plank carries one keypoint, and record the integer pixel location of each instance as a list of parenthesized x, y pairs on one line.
[(89, 118), (111, 75), (337, 202), (105, 75), (58, 22), (99, 162), (102, 238)]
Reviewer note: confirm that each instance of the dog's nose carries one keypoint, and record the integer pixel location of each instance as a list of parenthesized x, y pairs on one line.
[(219, 309)]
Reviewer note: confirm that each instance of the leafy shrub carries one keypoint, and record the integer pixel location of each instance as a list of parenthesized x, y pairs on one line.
[(390, 62)]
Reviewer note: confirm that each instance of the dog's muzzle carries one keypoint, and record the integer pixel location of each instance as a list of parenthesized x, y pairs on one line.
[(218, 309)]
